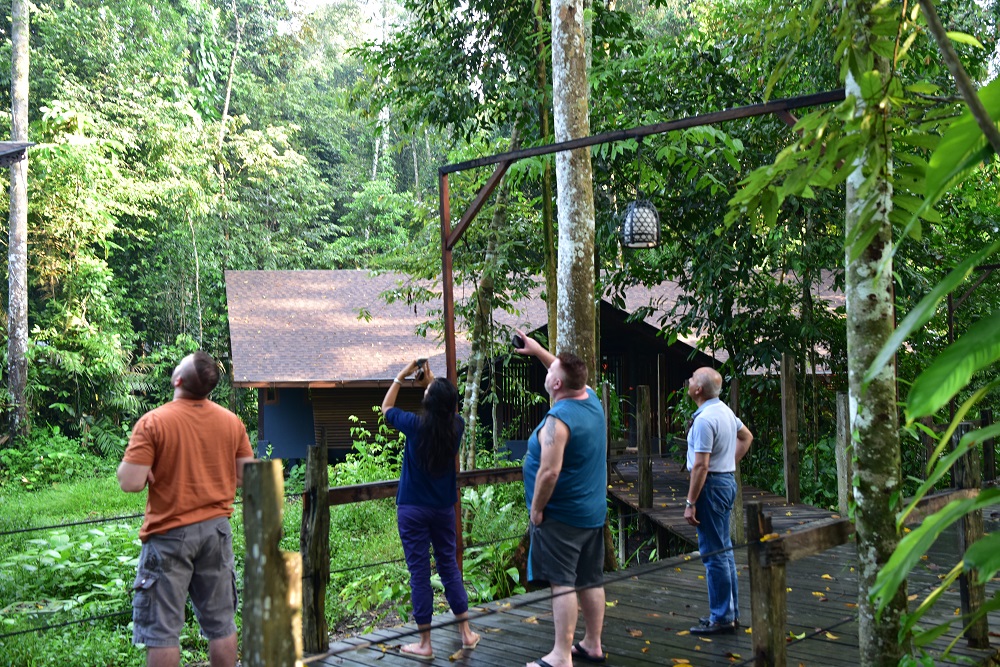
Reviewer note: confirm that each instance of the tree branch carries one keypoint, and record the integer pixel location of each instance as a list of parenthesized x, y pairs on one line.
[(962, 80)]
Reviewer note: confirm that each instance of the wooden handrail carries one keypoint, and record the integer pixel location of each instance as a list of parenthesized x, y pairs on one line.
[(356, 493)]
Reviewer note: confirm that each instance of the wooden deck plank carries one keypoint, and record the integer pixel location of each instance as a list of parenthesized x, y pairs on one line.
[(652, 606)]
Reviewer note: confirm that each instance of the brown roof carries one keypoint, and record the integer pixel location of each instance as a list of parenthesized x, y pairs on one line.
[(329, 328)]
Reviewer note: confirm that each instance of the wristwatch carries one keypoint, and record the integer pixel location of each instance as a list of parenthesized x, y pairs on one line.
[(688, 503)]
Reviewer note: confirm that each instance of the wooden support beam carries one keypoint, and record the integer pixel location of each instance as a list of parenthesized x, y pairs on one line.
[(989, 448), (645, 447), (818, 537), (973, 595), (737, 520), (790, 428), (933, 502), (355, 493), (272, 578), (844, 455), (314, 544), (768, 596)]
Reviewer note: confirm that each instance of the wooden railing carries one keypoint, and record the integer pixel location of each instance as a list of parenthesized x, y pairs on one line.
[(769, 553)]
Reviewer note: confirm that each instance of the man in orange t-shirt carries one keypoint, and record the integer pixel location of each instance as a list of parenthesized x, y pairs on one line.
[(190, 452)]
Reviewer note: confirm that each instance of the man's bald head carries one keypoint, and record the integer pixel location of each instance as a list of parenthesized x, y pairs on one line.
[(709, 380)]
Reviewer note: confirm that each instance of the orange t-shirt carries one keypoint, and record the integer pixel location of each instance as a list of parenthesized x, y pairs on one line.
[(191, 447)]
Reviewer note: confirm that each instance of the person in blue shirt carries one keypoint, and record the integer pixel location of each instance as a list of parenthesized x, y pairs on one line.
[(425, 503), (565, 479)]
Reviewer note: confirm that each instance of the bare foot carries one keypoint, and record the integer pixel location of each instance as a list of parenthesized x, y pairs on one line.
[(418, 651)]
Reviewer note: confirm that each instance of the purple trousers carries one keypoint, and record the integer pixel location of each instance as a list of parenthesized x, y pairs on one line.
[(419, 528)]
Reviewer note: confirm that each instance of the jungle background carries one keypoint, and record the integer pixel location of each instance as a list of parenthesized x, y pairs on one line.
[(178, 139)]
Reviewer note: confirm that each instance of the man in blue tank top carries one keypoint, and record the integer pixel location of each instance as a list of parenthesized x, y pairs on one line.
[(565, 478)]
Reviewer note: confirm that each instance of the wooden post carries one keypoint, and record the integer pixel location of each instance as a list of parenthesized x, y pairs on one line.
[(606, 403), (272, 579), (661, 401), (845, 455), (737, 522), (314, 543), (644, 446), (790, 427), (768, 596), (989, 448), (967, 476), (622, 534)]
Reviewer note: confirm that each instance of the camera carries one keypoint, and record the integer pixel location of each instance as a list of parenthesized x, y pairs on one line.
[(419, 375), (517, 342)]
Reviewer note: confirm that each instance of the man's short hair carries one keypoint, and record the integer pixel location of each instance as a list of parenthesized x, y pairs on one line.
[(574, 371), (204, 375), (710, 381)]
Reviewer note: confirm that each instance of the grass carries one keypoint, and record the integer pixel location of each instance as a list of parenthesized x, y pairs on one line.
[(62, 575)]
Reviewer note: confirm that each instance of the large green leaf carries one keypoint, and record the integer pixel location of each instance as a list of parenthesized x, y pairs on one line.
[(918, 542), (943, 465), (962, 140), (951, 371), (925, 310), (984, 556)]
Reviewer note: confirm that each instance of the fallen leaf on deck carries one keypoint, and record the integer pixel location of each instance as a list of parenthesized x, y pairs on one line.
[(633, 632), (457, 655), (827, 577), (913, 597), (653, 614), (680, 661), (769, 536), (610, 603), (683, 632), (705, 639), (830, 635), (818, 594), (733, 656), (531, 619)]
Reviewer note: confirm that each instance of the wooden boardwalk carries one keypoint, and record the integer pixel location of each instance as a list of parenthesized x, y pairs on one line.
[(652, 606), (670, 487)]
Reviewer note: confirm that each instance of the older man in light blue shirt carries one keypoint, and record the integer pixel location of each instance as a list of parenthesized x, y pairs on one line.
[(717, 441)]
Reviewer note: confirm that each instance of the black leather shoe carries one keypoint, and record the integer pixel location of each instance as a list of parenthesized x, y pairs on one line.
[(709, 628), (705, 620)]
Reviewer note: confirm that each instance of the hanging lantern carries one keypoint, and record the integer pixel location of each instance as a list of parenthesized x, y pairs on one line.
[(641, 225)]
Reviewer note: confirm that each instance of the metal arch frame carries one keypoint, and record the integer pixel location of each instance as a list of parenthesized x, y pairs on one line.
[(450, 237)]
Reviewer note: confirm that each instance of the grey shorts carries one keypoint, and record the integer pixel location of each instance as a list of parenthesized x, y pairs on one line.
[(564, 555), (196, 560)]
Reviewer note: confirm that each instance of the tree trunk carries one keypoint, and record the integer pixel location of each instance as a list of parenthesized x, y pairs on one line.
[(481, 324), (228, 94), (869, 325), (574, 184), (548, 222), (17, 248)]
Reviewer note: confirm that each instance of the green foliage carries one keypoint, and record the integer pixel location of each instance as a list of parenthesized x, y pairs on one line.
[(494, 511), (88, 570), (46, 459), (377, 455), (385, 590)]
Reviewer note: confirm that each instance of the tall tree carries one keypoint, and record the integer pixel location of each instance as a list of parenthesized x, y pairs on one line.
[(574, 184), (874, 417), (17, 248)]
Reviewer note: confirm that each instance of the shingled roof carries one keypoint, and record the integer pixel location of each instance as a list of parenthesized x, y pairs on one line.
[(333, 328)]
